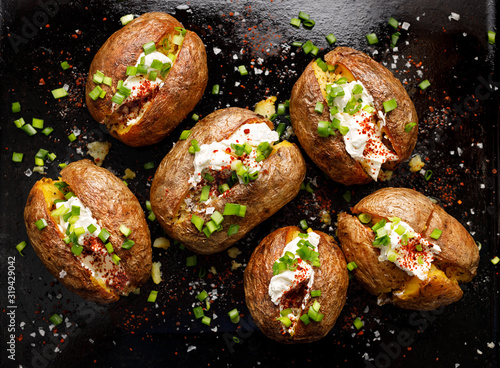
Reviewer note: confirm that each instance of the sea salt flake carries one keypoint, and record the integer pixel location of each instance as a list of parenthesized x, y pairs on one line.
[(191, 348), (217, 50), (405, 26), (454, 16)]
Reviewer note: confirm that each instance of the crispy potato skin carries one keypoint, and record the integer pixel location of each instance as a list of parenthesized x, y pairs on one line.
[(183, 88), (112, 204), (458, 249), (278, 182), (331, 278), (330, 153)]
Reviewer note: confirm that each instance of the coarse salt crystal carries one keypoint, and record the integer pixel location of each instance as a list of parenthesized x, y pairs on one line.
[(405, 26), (454, 16)]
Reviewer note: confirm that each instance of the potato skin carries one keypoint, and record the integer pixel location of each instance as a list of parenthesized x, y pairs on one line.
[(331, 278), (458, 249), (183, 88), (112, 204), (330, 153), (278, 182)]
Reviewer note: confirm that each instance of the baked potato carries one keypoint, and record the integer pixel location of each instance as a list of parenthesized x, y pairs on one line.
[(407, 249), (146, 78), (90, 232), (352, 116), (296, 285), (228, 176)]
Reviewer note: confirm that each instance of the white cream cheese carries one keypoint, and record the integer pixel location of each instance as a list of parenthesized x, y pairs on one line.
[(363, 141), (286, 280), (218, 156), (415, 263), (85, 219)]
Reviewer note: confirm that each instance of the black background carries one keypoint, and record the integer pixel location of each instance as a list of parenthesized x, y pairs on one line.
[(458, 134)]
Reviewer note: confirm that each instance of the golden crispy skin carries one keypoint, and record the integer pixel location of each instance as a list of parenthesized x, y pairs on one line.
[(278, 182), (331, 278), (112, 204), (329, 153), (183, 88), (457, 261)]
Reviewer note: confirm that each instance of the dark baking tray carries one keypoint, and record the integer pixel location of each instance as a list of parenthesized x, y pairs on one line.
[(458, 134)]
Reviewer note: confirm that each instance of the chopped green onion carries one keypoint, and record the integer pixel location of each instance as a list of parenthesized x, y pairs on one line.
[(358, 323), (231, 209), (76, 249), (233, 229), (197, 222), (347, 196), (51, 156), (281, 109), (69, 195), (364, 218), (392, 255), (17, 157), (418, 247), (149, 165), (178, 40), (395, 38), (195, 117), (323, 128), (125, 230), (295, 22), (156, 64), (28, 129), (285, 320), (206, 320), (393, 23), (303, 225), (75, 210), (357, 89), (109, 247), (314, 51), (131, 70), (141, 69), (409, 127), (352, 265), (400, 230), (319, 107), (41, 224), (95, 93), (428, 174), (20, 247), (191, 261), (72, 137), (107, 81), (128, 243), (198, 312), (16, 107), (495, 260), (390, 105), (118, 98), (20, 122), (309, 23), (234, 315), (217, 218), (436, 233), (305, 318), (126, 19), (372, 38), (116, 260), (42, 153), (224, 187), (210, 228), (185, 134), (307, 47), (208, 177), (304, 16), (194, 144), (39, 161), (202, 296), (59, 93), (152, 296), (243, 70), (280, 129), (424, 84), (205, 192), (148, 206), (297, 44), (315, 293), (215, 89), (491, 37), (104, 235), (331, 38), (56, 319), (149, 47)]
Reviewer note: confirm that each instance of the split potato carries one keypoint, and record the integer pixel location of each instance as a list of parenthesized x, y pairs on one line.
[(209, 208), (428, 254), (291, 317), (90, 232), (146, 78), (352, 133)]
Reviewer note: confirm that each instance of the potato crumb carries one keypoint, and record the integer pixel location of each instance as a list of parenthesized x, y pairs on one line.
[(156, 272), (325, 217), (266, 107), (212, 270), (235, 265), (129, 174), (416, 163), (161, 242), (233, 252), (98, 151), (385, 175)]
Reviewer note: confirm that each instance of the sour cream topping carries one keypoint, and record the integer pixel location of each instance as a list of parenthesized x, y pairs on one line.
[(287, 280), (363, 141), (408, 258), (218, 156), (85, 219)]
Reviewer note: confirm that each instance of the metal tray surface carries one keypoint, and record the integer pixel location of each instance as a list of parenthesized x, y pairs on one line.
[(458, 137)]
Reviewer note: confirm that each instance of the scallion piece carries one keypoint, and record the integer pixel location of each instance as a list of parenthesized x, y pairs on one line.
[(491, 37), (116, 260), (315, 293), (234, 315), (233, 229), (309, 23), (304, 15), (51, 156), (243, 70), (156, 64), (351, 266), (231, 209), (305, 318), (347, 196), (41, 224), (495, 260), (104, 235), (372, 38), (128, 243), (280, 129), (20, 247), (126, 19), (323, 128), (295, 22), (28, 129), (59, 93), (149, 165), (17, 157), (152, 296), (42, 153), (206, 320), (191, 261), (205, 192), (38, 161), (217, 218), (215, 89), (395, 38), (198, 312), (149, 47), (197, 222), (307, 47), (95, 93), (194, 144), (20, 122), (436, 234), (285, 320), (331, 38), (131, 70), (208, 178), (141, 69), (56, 319), (72, 137), (107, 81), (195, 117), (297, 44), (185, 134), (16, 107), (109, 247), (364, 218), (409, 127), (424, 84), (303, 224), (76, 249), (315, 50), (319, 107), (358, 323), (428, 174), (390, 105), (281, 109), (393, 23)]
